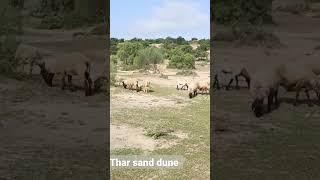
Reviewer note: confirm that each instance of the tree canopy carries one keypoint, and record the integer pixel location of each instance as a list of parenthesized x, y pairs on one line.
[(127, 51), (148, 56)]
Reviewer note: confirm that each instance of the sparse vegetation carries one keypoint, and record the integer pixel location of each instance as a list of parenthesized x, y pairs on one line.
[(161, 124), (157, 132), (147, 58), (149, 107), (147, 54), (181, 60)]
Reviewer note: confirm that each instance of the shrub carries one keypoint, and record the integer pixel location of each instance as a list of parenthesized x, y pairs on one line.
[(204, 44), (181, 60), (114, 59), (201, 54), (148, 56), (185, 48), (113, 45), (158, 131), (127, 51)]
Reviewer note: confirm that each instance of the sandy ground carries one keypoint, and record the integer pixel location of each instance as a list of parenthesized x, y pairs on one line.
[(49, 132), (237, 133), (124, 136)]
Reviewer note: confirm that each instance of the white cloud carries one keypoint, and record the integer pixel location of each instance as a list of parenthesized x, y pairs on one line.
[(174, 16)]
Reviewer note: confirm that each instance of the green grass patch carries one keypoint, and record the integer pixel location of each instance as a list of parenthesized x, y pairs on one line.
[(158, 131), (193, 120)]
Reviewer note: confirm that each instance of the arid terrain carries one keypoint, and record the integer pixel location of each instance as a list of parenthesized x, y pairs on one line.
[(162, 122), (47, 132), (282, 144)]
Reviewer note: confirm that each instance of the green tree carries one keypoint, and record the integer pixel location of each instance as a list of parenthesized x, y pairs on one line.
[(148, 56), (114, 59), (185, 48), (159, 40), (181, 60), (169, 40), (181, 41), (127, 51), (169, 45), (201, 54), (113, 45), (204, 44), (194, 39)]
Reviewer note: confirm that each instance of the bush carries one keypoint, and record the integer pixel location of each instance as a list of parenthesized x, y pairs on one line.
[(185, 48), (127, 51), (114, 59), (180, 48), (113, 45), (204, 44), (148, 56), (201, 54), (181, 60), (169, 46)]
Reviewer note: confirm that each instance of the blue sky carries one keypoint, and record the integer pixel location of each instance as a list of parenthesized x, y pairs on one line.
[(160, 18)]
